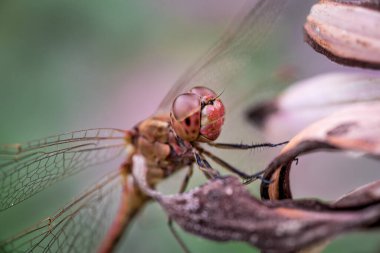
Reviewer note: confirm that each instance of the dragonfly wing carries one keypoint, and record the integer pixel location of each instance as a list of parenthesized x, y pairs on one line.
[(241, 64), (26, 169), (78, 227), (227, 59)]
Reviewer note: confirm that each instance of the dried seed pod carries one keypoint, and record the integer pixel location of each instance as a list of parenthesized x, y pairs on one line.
[(346, 31)]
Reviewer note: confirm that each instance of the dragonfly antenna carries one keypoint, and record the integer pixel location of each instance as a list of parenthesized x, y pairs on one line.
[(220, 94)]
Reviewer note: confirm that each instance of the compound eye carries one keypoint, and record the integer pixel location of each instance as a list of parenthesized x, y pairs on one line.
[(185, 116), (185, 105), (203, 92)]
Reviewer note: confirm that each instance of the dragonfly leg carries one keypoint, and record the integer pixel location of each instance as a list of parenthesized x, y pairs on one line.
[(177, 237), (185, 181), (247, 178), (246, 146), (258, 175), (225, 165), (205, 166)]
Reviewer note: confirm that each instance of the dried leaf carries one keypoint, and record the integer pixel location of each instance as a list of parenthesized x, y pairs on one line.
[(314, 98), (366, 195), (355, 129), (223, 210), (346, 31)]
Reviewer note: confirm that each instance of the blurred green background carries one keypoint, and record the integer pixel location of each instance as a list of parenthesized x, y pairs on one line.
[(70, 65)]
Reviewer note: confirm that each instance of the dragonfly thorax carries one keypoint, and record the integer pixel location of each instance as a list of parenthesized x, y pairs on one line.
[(197, 115), (156, 141)]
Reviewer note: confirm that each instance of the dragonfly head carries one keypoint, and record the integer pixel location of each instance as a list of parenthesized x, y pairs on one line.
[(197, 115)]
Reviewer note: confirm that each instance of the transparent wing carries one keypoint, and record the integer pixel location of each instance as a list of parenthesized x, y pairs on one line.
[(26, 169), (78, 227), (241, 65), (229, 58)]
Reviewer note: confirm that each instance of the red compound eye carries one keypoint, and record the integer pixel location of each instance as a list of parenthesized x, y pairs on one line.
[(197, 115), (203, 92), (185, 116)]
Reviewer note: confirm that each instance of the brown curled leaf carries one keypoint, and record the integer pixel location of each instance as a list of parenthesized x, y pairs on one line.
[(224, 210), (346, 32), (355, 129)]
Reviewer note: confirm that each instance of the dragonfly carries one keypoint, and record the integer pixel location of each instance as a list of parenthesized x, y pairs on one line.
[(176, 136)]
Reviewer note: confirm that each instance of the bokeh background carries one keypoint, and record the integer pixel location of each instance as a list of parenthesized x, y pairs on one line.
[(70, 65)]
